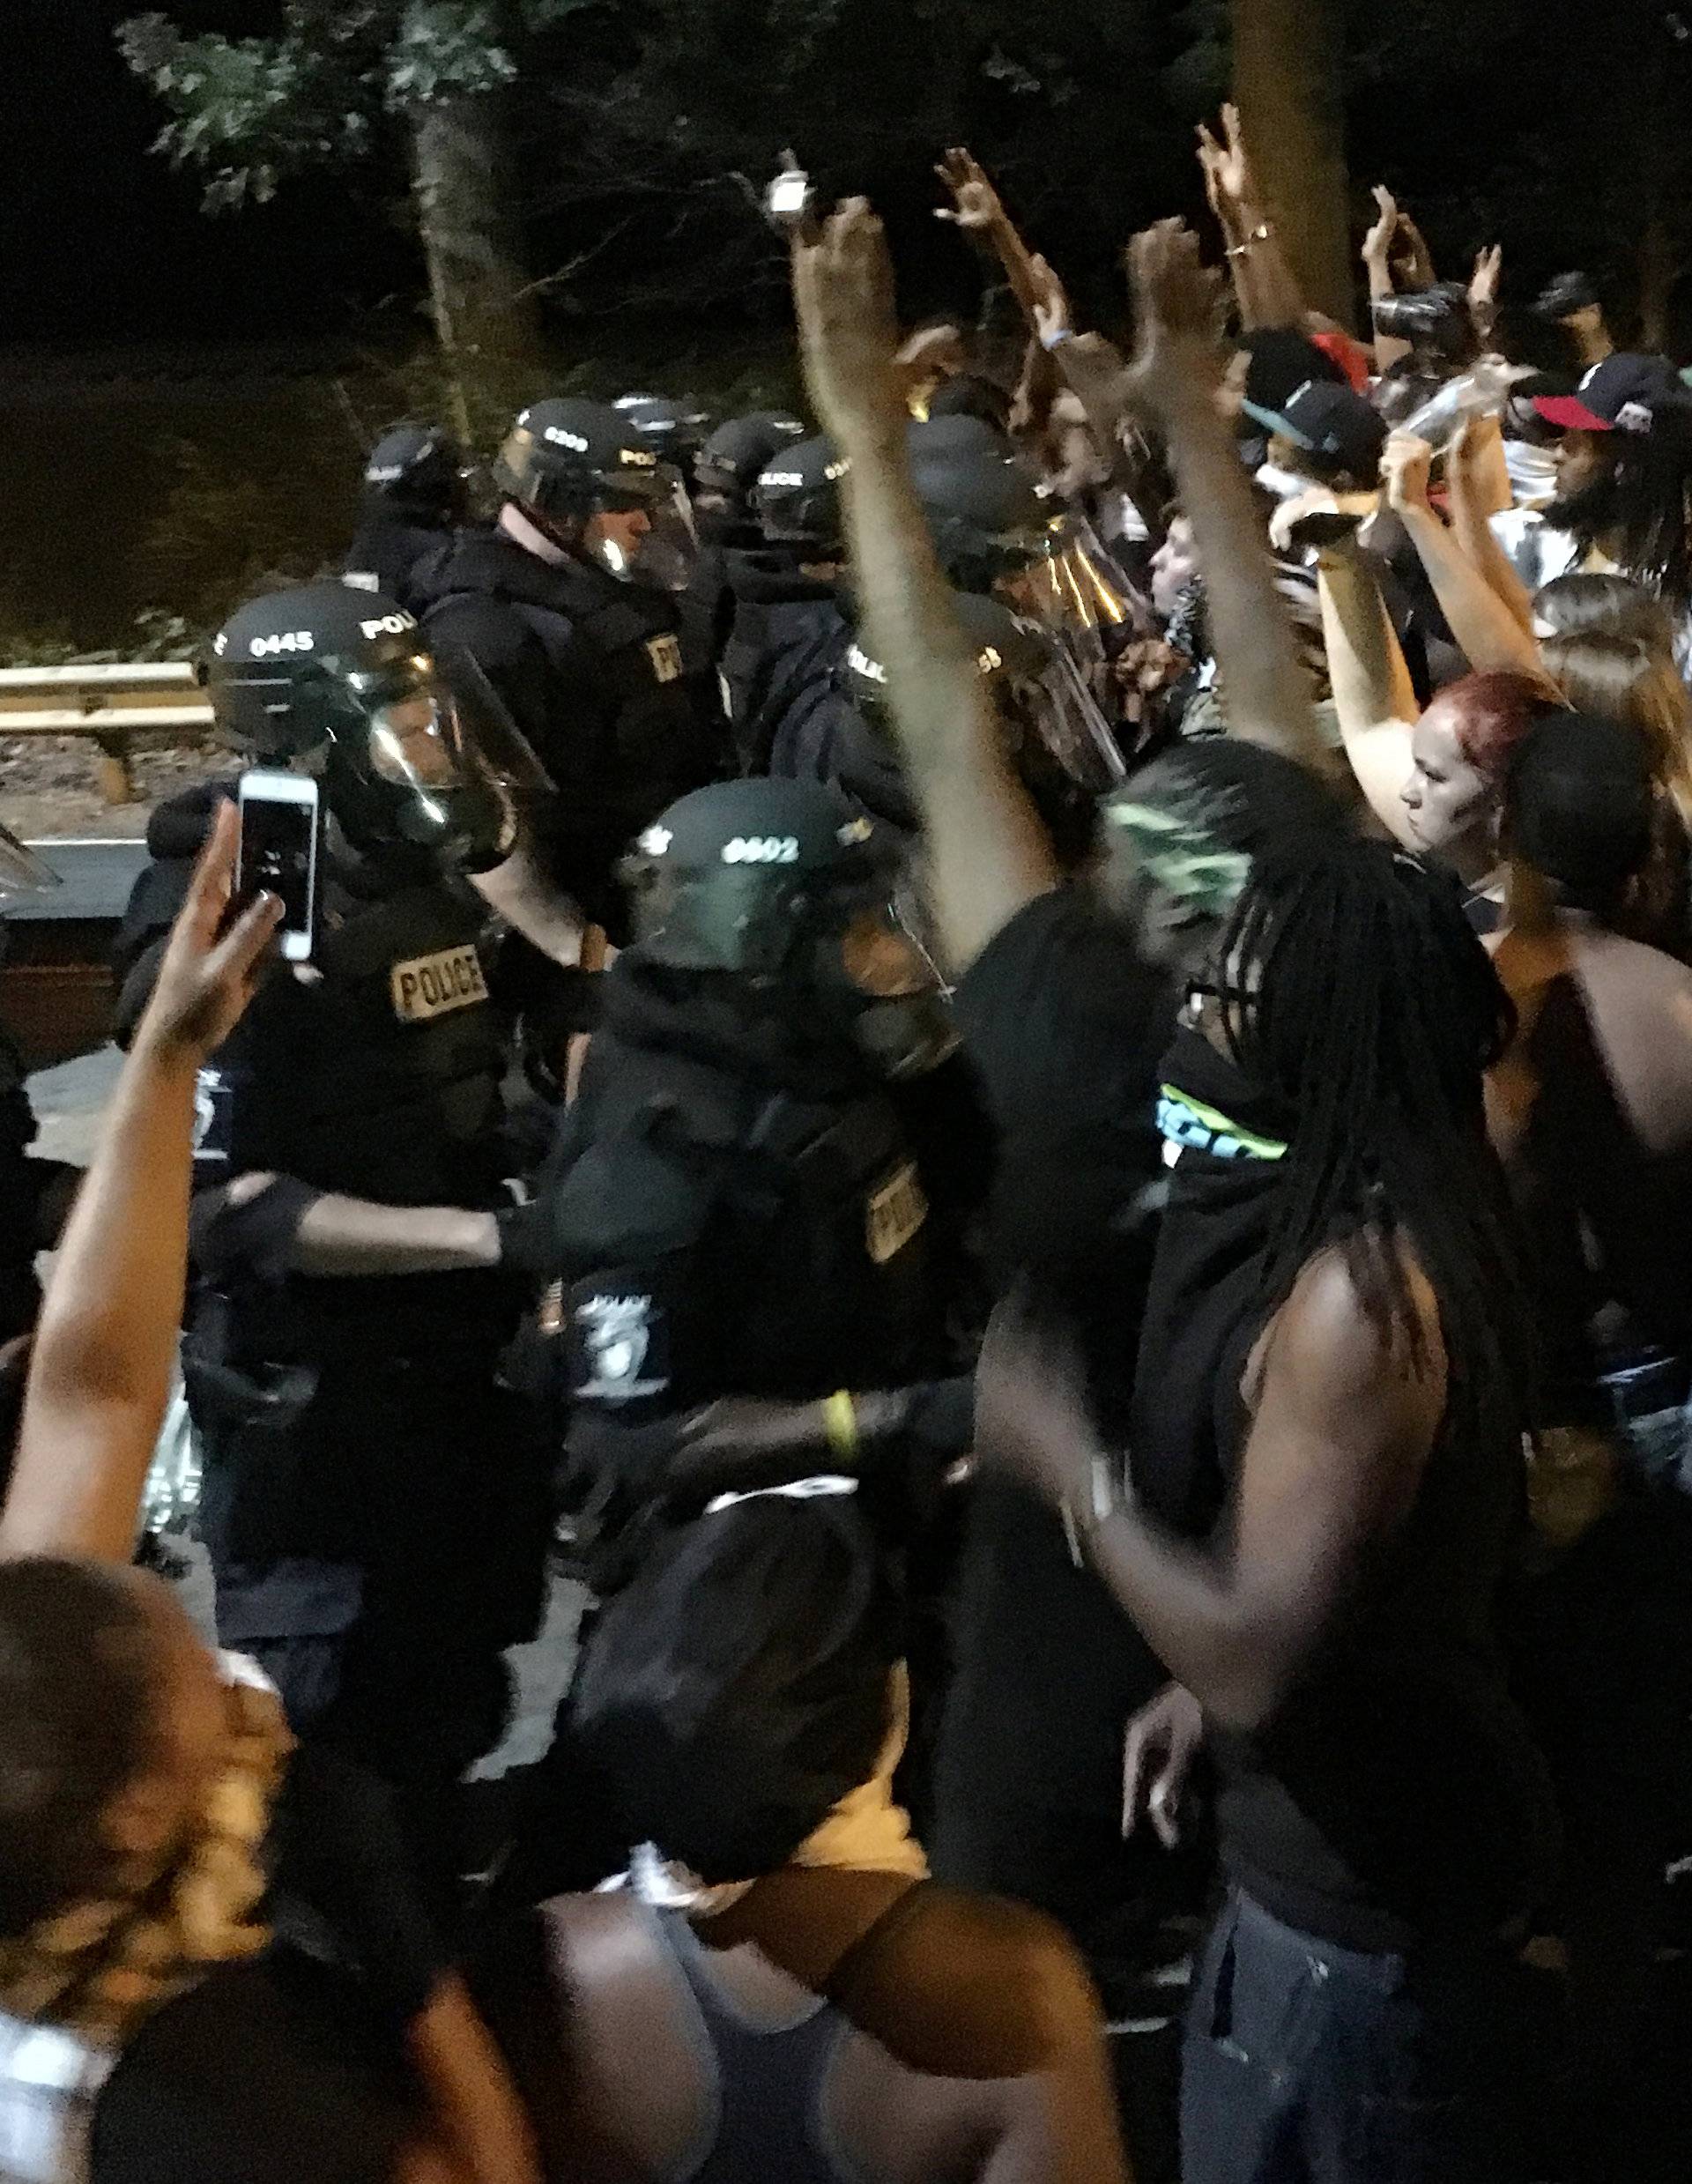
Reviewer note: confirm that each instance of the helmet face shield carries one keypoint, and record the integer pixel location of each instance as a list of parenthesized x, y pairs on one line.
[(21, 871), (412, 774)]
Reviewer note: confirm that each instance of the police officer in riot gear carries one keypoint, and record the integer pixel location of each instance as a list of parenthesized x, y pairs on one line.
[(728, 468), (608, 676), (752, 1263), (673, 430), (413, 500), (1053, 739), (790, 627), (374, 1499)]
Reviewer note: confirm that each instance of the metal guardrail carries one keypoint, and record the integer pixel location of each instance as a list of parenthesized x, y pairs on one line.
[(113, 702)]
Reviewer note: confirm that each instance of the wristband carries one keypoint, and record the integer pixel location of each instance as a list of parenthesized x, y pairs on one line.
[(840, 1424)]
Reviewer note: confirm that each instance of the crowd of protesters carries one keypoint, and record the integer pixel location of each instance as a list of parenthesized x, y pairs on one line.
[(1012, 1063)]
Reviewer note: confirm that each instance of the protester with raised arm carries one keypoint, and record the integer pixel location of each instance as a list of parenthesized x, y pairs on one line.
[(140, 1773), (1265, 285)]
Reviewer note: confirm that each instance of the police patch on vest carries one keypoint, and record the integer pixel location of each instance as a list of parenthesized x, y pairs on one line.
[(892, 1214), (665, 655), (617, 1349), (433, 985), (214, 1113)]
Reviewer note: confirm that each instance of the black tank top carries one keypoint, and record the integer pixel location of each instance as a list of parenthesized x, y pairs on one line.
[(1397, 1796), (771, 2082)]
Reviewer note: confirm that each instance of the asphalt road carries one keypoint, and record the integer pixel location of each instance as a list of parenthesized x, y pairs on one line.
[(95, 875)]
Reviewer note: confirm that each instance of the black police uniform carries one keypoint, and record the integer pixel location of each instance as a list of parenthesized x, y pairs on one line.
[(389, 548), (611, 684), (787, 635), (374, 1502)]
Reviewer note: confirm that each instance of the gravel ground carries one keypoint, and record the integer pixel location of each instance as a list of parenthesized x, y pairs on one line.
[(50, 789)]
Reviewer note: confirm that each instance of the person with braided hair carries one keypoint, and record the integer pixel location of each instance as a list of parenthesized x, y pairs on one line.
[(158, 1831), (1325, 1482)]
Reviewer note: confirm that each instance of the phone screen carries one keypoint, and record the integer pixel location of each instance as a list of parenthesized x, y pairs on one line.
[(790, 194), (276, 845)]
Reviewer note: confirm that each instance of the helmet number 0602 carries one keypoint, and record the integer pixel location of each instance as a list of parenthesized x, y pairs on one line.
[(762, 849)]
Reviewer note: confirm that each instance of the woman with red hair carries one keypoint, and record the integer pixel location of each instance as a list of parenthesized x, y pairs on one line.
[(1433, 779)]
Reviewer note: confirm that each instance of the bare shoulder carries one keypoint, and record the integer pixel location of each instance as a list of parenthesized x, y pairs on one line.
[(978, 1986), (1330, 1330)]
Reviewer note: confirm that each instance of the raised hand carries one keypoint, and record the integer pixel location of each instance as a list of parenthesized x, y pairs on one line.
[(1377, 243), (1483, 288), (1228, 181), (204, 983), (1406, 470), (1053, 320), (975, 204), (1419, 266), (1178, 302), (844, 290)]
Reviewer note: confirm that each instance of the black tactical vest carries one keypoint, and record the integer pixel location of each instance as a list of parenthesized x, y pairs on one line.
[(714, 1238), (631, 717), (382, 1080)]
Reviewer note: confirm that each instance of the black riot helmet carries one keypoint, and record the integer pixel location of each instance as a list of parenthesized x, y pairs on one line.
[(674, 431), (777, 883), (797, 499), (1056, 735), (1011, 657), (566, 461), (732, 460), (337, 682), (982, 501), (417, 471)]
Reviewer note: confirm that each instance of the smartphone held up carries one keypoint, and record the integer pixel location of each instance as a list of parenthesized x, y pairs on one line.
[(278, 855)]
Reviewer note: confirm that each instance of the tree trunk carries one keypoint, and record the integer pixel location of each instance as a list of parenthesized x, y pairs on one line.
[(1660, 263), (1288, 56), (484, 318)]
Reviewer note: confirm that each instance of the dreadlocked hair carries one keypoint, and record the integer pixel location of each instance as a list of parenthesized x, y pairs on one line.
[(1358, 994)]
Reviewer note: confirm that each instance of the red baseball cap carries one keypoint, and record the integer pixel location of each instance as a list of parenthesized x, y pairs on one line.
[(1621, 394)]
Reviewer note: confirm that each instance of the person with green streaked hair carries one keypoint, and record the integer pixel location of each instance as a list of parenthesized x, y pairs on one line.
[(1067, 995)]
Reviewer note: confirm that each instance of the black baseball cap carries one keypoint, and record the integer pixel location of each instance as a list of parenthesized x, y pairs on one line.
[(1280, 361), (1337, 429), (1623, 393)]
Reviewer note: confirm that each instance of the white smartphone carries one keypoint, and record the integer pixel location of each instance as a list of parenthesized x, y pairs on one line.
[(789, 202), (278, 854)]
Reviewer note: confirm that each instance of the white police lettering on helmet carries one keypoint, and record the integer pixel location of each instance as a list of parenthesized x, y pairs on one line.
[(758, 849), (637, 458), (393, 625), (781, 480), (282, 641), (561, 437), (384, 473), (861, 663)]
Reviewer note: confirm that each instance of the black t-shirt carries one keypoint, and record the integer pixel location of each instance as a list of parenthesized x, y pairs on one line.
[(267, 2072), (1066, 1025)]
